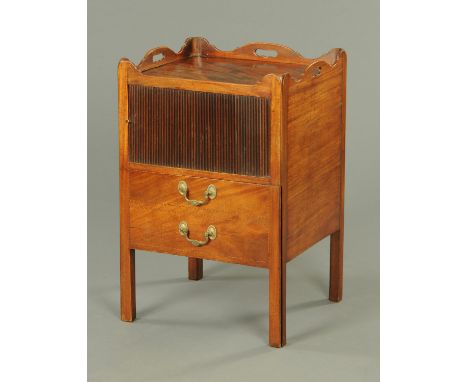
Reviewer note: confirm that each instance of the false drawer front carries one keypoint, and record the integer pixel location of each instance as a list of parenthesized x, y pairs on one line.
[(233, 221)]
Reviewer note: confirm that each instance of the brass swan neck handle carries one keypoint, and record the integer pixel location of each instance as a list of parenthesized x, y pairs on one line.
[(210, 234), (209, 194)]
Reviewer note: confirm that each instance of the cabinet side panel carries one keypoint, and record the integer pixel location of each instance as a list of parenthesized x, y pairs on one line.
[(314, 159)]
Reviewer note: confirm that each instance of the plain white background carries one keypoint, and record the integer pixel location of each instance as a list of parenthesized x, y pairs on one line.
[(423, 191)]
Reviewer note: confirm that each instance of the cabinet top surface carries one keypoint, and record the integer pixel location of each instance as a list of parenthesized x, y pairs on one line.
[(247, 65), (225, 70)]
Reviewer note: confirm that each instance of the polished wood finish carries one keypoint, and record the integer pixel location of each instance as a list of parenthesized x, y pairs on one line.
[(199, 173), (337, 238), (247, 72), (199, 48), (195, 268), (280, 193), (278, 258), (127, 255), (242, 214), (260, 89), (336, 266), (315, 167)]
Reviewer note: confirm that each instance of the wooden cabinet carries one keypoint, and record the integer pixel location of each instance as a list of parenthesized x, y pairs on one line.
[(234, 156)]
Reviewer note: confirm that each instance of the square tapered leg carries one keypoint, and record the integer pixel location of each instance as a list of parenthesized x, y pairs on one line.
[(195, 268), (336, 266), (277, 315), (127, 284)]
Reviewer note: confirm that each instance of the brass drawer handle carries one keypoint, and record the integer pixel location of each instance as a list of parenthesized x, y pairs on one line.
[(210, 194), (210, 234)]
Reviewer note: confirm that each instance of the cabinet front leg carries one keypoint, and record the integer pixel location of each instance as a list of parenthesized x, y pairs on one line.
[(277, 304), (195, 268), (127, 284), (336, 266)]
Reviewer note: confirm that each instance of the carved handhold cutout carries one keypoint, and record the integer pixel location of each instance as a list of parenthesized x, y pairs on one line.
[(266, 53), (316, 71), (158, 57), (256, 51)]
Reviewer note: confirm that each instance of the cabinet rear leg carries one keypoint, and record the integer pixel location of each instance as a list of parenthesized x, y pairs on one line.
[(195, 268), (127, 284), (336, 266)]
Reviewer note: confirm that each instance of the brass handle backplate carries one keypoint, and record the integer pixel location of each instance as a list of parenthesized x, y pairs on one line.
[(210, 194), (210, 234)]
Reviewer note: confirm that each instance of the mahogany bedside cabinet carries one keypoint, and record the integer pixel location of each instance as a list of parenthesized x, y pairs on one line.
[(235, 156)]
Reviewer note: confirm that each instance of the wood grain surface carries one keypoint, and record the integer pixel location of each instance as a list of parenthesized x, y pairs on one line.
[(195, 268), (337, 238), (247, 72), (178, 171), (242, 214), (278, 258), (314, 141), (127, 255), (280, 180)]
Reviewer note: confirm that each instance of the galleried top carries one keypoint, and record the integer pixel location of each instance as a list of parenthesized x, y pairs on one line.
[(247, 65)]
